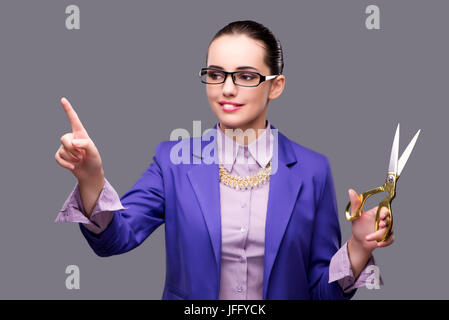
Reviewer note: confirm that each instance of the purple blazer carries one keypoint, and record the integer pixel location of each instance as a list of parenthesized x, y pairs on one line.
[(302, 230)]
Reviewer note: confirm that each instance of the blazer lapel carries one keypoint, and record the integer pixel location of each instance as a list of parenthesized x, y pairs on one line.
[(285, 185), (205, 182)]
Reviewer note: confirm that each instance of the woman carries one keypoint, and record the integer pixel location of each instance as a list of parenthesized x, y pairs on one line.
[(279, 238)]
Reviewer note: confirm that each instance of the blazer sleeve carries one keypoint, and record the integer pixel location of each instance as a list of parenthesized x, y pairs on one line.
[(144, 212), (326, 241)]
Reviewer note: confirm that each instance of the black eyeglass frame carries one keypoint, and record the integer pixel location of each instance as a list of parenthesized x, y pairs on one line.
[(262, 78)]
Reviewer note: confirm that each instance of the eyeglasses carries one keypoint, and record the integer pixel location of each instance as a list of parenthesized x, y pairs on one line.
[(240, 78)]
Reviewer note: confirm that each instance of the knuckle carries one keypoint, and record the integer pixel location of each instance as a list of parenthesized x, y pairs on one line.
[(66, 137), (61, 156)]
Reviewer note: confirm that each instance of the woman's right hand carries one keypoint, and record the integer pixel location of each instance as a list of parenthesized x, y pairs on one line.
[(77, 152)]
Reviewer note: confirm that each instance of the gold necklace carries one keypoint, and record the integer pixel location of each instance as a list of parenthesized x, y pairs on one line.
[(247, 182)]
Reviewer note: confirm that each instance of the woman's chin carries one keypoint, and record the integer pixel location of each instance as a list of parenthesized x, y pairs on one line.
[(233, 120), (228, 122)]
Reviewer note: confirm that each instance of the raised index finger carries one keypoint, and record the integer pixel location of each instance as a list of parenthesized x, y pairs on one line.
[(71, 114)]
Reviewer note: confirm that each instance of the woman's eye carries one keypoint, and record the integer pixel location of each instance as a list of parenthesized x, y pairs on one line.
[(215, 75), (247, 76)]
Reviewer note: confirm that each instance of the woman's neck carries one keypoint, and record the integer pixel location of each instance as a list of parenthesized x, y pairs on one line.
[(244, 135)]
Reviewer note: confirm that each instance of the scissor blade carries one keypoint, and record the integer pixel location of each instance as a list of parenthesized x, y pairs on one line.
[(407, 152), (393, 167)]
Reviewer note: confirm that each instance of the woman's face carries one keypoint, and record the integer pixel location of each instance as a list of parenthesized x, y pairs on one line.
[(231, 52)]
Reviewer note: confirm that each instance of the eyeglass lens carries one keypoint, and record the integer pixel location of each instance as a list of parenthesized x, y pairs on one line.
[(244, 78)]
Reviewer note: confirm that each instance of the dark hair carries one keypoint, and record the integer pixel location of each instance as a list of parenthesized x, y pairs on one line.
[(273, 49)]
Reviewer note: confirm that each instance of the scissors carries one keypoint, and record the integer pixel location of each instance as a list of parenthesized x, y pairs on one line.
[(394, 171)]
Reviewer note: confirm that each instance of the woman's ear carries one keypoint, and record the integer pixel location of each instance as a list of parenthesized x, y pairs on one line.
[(277, 86)]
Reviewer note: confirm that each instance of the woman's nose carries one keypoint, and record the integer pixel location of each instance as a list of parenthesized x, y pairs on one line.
[(229, 88)]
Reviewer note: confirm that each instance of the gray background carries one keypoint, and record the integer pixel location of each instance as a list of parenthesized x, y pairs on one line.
[(347, 88)]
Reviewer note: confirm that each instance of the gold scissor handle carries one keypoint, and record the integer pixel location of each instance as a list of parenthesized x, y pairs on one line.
[(364, 196)]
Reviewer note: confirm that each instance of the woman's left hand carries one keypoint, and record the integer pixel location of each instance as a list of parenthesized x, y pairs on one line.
[(363, 227)]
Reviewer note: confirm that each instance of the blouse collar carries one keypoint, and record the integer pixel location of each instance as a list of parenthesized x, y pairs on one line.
[(261, 149)]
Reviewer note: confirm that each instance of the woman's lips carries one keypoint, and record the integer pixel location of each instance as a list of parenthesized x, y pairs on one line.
[(229, 107)]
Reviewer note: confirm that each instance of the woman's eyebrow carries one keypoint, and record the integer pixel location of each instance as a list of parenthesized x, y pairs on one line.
[(238, 68)]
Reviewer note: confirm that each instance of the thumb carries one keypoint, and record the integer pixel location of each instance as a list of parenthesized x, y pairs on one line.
[(85, 144), (355, 200)]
